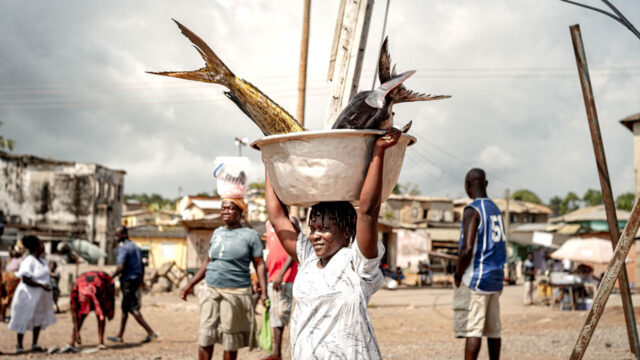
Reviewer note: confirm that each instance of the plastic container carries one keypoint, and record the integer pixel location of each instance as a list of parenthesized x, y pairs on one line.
[(231, 176)]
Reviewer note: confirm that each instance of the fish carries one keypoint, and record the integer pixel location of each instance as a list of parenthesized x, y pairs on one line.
[(372, 109), (270, 117)]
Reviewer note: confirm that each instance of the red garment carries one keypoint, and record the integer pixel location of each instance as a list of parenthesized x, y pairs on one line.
[(94, 290), (277, 257)]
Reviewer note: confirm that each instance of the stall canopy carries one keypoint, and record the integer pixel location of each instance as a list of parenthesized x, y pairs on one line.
[(585, 250)]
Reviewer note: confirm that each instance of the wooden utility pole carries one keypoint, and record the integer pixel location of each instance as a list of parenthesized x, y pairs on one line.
[(345, 65), (302, 74), (607, 196)]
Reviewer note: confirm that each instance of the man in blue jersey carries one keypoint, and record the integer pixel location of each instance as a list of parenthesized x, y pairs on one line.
[(480, 271)]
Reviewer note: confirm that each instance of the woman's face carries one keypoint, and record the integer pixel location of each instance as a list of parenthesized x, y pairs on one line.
[(326, 237), (40, 249), (230, 213)]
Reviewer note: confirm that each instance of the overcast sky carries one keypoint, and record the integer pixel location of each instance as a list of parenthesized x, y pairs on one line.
[(73, 87)]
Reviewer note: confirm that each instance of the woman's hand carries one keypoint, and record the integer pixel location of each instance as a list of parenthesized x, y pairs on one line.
[(46, 287), (389, 139), (185, 292), (263, 299), (277, 282)]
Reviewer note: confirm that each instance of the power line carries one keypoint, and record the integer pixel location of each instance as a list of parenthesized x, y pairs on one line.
[(284, 78)]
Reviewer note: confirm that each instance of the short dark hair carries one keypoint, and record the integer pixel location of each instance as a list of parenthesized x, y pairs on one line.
[(342, 213), (31, 242)]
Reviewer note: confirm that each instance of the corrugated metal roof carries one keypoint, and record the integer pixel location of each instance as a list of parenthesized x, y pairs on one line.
[(515, 206), (569, 229), (591, 213), (152, 231), (419, 198)]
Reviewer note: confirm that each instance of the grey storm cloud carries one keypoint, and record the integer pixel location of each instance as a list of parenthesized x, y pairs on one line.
[(73, 87)]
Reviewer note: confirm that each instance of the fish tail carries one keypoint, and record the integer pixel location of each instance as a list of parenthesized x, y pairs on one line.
[(215, 70)]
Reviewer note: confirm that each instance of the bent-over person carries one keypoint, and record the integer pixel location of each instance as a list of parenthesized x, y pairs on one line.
[(92, 291)]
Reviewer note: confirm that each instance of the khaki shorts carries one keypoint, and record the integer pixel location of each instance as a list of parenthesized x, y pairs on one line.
[(227, 317), (281, 301), (475, 314)]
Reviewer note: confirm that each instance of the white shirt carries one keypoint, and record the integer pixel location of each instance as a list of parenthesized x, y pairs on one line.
[(32, 306), (330, 319)]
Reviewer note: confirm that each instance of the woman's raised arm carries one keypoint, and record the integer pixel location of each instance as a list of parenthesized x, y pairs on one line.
[(279, 217), (370, 196)]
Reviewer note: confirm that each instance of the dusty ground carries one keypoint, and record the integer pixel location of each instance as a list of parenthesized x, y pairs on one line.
[(409, 324)]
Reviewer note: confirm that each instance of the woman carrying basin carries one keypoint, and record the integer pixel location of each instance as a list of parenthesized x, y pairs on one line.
[(338, 268)]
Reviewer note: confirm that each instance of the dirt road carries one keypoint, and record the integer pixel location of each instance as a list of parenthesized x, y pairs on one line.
[(409, 324)]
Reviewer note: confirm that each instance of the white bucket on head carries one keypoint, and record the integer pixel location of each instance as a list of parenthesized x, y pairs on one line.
[(231, 176), (309, 167)]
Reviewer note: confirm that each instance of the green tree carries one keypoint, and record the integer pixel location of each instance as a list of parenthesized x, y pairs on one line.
[(625, 201), (592, 197), (257, 185), (5, 143), (154, 201), (526, 195), (570, 203), (406, 189), (556, 204)]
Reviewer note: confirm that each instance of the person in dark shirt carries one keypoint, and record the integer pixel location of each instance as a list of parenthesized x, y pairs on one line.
[(131, 274), (55, 280), (529, 272)]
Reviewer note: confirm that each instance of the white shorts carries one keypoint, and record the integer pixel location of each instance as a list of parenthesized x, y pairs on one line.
[(476, 314)]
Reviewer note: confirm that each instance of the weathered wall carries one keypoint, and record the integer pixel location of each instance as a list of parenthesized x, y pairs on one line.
[(61, 199), (163, 250), (411, 211), (197, 247)]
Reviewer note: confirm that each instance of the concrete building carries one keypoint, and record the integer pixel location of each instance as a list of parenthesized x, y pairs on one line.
[(161, 244), (148, 217), (632, 122), (409, 209), (418, 228), (198, 233), (60, 200), (197, 207)]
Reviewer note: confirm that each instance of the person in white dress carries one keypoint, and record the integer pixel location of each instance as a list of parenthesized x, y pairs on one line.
[(32, 306), (336, 276)]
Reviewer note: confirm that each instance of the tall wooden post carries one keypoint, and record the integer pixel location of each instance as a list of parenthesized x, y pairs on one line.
[(349, 48), (607, 197), (302, 74)]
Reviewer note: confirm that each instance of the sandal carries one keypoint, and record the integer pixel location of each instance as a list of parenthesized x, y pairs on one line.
[(115, 339), (150, 338), (20, 350), (37, 349)]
